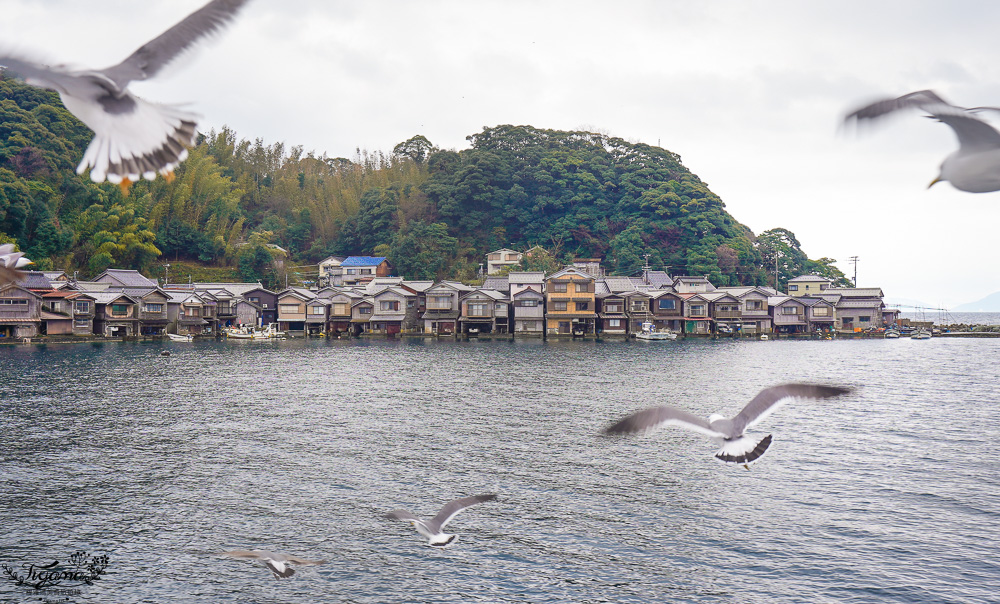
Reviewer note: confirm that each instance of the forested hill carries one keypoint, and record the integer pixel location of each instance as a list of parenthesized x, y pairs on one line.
[(435, 213)]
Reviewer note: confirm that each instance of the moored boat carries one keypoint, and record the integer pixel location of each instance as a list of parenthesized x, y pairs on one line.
[(649, 332), (176, 338)]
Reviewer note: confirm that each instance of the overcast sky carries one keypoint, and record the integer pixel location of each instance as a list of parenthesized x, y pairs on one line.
[(750, 94)]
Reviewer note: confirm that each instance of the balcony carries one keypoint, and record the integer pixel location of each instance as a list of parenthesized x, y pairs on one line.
[(728, 314)]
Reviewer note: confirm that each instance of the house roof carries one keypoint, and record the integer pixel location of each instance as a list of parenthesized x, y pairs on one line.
[(526, 277), (504, 250), (55, 275), (619, 284), (858, 303), (35, 280), (657, 278), (804, 278), (237, 289), (109, 297), (363, 261), (856, 292), (570, 270), (497, 283), (778, 300), (419, 286), (127, 277)]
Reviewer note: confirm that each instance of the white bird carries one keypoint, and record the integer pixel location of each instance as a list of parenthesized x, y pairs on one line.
[(975, 167), (736, 447), (433, 529), (133, 138), (279, 564), (10, 264)]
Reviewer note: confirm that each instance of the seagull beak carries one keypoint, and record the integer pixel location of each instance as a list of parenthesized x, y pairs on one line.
[(934, 182), (747, 467)]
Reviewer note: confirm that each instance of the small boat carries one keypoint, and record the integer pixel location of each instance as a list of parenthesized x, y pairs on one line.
[(891, 334), (763, 336), (648, 332), (921, 334), (176, 338)]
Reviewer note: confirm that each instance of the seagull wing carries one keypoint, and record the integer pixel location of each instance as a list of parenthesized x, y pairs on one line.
[(663, 416), (302, 561), (407, 516), (452, 509), (10, 262), (152, 56), (44, 76), (771, 398), (973, 132)]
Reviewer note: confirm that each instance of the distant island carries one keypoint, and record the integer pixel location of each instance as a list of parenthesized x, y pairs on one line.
[(990, 303)]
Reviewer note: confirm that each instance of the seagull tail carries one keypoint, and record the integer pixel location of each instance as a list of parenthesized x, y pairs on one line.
[(152, 139), (743, 450)]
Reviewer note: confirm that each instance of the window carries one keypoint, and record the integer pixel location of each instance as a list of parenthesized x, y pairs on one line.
[(698, 310), (317, 310), (119, 310), (153, 308), (612, 306), (82, 307), (410, 303), (494, 257), (614, 322), (558, 306), (559, 288), (821, 311), (14, 301), (387, 305), (498, 306), (793, 288), (366, 271), (438, 302), (288, 309), (512, 257), (340, 308), (790, 310), (755, 305), (582, 306), (365, 310), (864, 319), (527, 303), (638, 306), (254, 299), (81, 324), (666, 304), (477, 309), (352, 271), (582, 288)]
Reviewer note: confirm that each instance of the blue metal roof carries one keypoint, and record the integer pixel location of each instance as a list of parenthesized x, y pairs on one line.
[(363, 261)]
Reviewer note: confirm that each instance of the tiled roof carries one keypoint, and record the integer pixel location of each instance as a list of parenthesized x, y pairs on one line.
[(659, 278), (35, 280), (108, 297), (497, 283), (363, 261), (128, 277), (619, 284), (237, 289), (420, 286)]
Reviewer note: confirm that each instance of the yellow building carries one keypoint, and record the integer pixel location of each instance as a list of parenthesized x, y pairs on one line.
[(570, 305)]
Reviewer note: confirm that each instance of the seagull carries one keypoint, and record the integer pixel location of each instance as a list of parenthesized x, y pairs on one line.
[(975, 167), (433, 529), (133, 138), (279, 564), (10, 264), (736, 447)]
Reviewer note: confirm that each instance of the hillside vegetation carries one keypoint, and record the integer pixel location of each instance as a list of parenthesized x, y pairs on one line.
[(435, 213)]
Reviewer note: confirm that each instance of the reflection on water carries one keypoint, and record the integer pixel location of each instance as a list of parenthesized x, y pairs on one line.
[(301, 446)]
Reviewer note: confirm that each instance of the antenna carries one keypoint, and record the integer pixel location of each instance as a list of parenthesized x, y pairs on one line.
[(854, 260)]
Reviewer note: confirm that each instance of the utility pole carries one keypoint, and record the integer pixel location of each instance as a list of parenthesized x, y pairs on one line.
[(854, 260), (166, 274)]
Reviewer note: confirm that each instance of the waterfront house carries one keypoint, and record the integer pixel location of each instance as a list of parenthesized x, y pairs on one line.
[(292, 310), (697, 312), (115, 314), (528, 312), (362, 269), (340, 300), (611, 317), (570, 307), (501, 258), (788, 314), (361, 314), (755, 315), (317, 315), (442, 308), (185, 310), (395, 311), (806, 285), (857, 308), (726, 311), (20, 312), (153, 317), (666, 309), (267, 300), (820, 314), (78, 305), (483, 311), (637, 309), (247, 313)]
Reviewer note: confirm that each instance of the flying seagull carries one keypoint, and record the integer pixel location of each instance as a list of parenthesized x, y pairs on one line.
[(736, 447), (975, 167), (133, 138), (10, 264), (279, 564), (433, 529)]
